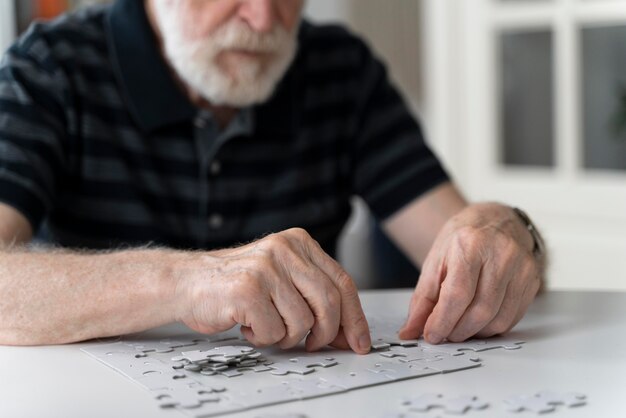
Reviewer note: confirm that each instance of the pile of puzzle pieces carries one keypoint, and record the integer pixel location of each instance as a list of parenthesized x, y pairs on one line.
[(214, 375), (227, 360)]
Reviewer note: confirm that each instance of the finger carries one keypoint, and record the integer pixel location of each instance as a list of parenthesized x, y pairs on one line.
[(353, 319), (456, 294), (294, 311), (495, 294), (261, 324), (508, 318), (327, 311), (323, 301), (423, 300), (340, 341)]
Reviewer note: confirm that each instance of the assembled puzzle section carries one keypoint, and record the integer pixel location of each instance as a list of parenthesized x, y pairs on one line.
[(205, 376)]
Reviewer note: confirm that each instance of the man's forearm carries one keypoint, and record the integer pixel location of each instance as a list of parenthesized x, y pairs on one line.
[(54, 297)]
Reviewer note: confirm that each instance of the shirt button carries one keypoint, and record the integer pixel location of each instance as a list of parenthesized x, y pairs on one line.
[(216, 168), (216, 221)]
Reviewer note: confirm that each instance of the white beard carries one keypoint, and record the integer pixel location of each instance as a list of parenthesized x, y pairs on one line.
[(249, 82)]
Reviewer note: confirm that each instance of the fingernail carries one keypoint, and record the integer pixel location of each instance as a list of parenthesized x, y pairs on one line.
[(365, 342), (434, 338)]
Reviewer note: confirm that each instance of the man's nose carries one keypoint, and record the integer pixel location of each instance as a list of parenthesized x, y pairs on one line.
[(259, 14)]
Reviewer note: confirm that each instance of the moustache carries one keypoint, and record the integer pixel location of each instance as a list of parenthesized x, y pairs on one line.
[(240, 36)]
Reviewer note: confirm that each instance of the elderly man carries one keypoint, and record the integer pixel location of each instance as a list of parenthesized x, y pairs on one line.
[(193, 161)]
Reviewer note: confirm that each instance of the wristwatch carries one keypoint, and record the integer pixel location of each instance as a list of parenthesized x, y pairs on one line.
[(539, 245)]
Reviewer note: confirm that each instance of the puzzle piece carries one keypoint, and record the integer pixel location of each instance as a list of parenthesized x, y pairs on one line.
[(570, 399), (285, 367), (163, 346), (129, 363), (219, 354), (462, 404), (376, 346), (400, 371), (408, 354), (185, 397), (282, 416), (354, 380), (313, 361), (164, 380), (308, 389), (103, 350), (257, 368), (457, 405), (227, 403), (543, 402), (474, 345), (392, 339), (270, 395), (447, 364)]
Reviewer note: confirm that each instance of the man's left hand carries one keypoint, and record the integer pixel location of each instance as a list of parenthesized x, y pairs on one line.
[(478, 279)]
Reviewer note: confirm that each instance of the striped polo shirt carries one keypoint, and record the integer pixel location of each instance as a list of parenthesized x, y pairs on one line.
[(100, 148)]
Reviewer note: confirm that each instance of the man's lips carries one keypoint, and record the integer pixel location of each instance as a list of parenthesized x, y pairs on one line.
[(249, 54)]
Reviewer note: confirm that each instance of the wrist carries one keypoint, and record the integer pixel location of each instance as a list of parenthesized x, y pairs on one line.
[(188, 272), (538, 242)]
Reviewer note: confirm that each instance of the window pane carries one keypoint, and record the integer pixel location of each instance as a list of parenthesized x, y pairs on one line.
[(526, 99), (604, 97)]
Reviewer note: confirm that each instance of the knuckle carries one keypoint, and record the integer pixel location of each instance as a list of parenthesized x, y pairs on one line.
[(299, 233), (470, 236), (346, 284), (469, 243), (512, 250), (456, 293), (529, 266), (277, 241), (465, 234), (275, 333), (332, 299)]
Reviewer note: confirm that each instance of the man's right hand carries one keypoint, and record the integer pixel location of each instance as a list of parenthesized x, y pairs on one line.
[(278, 289)]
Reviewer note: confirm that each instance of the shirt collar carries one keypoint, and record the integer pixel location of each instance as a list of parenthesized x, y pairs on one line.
[(152, 94)]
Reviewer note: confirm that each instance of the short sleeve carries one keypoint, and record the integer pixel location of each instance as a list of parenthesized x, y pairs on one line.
[(393, 165), (31, 128)]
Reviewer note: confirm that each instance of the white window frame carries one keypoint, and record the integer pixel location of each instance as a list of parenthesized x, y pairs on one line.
[(583, 213), (7, 24)]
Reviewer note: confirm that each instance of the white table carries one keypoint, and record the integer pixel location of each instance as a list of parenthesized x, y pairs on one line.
[(576, 341)]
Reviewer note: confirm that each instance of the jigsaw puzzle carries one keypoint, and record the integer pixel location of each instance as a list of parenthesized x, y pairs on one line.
[(205, 376)]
